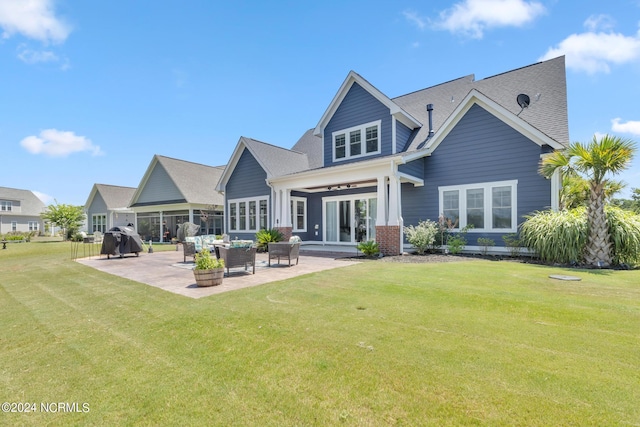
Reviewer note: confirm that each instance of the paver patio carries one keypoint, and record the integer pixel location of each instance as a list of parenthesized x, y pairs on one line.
[(166, 270)]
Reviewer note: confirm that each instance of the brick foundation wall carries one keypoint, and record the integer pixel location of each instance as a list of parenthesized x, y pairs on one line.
[(287, 232), (388, 239)]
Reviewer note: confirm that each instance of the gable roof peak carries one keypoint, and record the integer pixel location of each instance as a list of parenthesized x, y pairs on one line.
[(353, 77)]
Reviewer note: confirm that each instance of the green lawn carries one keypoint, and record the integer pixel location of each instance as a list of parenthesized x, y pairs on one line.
[(486, 343)]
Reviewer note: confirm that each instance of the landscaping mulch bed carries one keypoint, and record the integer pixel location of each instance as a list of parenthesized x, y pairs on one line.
[(420, 259)]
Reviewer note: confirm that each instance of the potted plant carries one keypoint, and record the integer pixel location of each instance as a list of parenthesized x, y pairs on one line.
[(209, 270)]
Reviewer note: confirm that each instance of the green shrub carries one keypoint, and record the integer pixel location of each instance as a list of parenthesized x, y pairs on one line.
[(624, 228), (456, 242), (485, 243), (369, 248), (561, 237), (16, 235), (513, 243), (204, 261), (421, 236), (266, 236)]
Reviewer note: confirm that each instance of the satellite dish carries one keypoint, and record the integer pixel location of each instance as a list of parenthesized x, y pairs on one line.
[(523, 100)]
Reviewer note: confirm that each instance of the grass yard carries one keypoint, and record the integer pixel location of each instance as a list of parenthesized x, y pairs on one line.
[(471, 343)]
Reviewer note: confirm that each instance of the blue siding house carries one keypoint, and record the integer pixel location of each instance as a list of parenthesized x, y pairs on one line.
[(466, 149)]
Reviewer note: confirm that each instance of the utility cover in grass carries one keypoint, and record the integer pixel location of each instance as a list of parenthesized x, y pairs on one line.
[(562, 277)]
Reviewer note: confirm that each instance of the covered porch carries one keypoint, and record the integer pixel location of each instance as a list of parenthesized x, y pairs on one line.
[(343, 205)]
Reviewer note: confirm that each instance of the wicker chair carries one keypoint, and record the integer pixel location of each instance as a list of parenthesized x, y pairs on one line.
[(284, 250), (237, 257), (188, 249)]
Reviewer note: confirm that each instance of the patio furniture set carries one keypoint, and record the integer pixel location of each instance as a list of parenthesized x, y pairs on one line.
[(240, 253)]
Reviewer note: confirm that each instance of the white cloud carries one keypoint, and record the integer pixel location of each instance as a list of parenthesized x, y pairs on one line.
[(415, 19), (594, 52), (46, 199), (30, 56), (34, 19), (632, 127), (599, 22), (473, 17), (56, 143)]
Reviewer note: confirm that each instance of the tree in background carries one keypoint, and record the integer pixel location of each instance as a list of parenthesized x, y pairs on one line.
[(594, 161), (630, 205), (68, 217), (575, 191)]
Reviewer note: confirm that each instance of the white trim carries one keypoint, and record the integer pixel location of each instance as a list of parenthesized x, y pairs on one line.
[(488, 204), (394, 109), (93, 224), (556, 185), (294, 218), (363, 141), (350, 198), (394, 124), (247, 216)]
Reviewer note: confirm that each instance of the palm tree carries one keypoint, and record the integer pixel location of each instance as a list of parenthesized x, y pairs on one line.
[(575, 191), (596, 161)]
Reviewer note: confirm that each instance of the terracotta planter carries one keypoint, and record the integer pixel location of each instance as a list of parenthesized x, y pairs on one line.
[(209, 277)]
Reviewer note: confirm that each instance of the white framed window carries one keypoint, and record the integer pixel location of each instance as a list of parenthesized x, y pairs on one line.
[(33, 225), (5, 205), (488, 206), (99, 223), (248, 214), (14, 225), (357, 141), (299, 213)]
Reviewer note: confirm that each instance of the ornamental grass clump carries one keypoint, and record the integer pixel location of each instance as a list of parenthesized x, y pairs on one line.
[(624, 228), (561, 237), (556, 237), (422, 236)]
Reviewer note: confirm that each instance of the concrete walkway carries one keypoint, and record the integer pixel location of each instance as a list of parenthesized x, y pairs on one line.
[(166, 270)]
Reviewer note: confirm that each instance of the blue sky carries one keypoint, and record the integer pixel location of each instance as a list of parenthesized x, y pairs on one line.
[(90, 91)]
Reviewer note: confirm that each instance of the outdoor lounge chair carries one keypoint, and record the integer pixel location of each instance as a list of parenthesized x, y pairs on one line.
[(238, 257), (284, 250)]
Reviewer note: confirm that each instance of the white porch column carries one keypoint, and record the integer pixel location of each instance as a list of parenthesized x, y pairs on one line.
[(191, 215), (394, 200), (277, 211), (286, 206), (381, 214)]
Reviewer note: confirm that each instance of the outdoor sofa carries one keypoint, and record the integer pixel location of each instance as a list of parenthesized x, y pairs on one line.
[(194, 244)]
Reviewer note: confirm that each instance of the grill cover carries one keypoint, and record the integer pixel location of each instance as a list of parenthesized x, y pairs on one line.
[(119, 241)]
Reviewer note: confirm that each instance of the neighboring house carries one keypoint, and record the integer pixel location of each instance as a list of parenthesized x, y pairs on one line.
[(174, 191), (108, 207), (20, 210), (467, 150)]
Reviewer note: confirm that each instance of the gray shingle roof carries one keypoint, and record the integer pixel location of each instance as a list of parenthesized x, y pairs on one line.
[(115, 196), (30, 204), (547, 111), (277, 160), (312, 146), (196, 182)]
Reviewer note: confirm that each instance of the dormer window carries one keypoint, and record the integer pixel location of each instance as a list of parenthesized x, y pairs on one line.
[(362, 140)]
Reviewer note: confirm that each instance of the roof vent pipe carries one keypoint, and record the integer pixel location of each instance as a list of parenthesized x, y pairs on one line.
[(430, 111)]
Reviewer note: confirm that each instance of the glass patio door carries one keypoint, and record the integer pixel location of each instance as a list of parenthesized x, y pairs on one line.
[(350, 220)]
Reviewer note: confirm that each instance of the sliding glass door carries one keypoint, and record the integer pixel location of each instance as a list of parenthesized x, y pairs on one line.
[(350, 219)]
